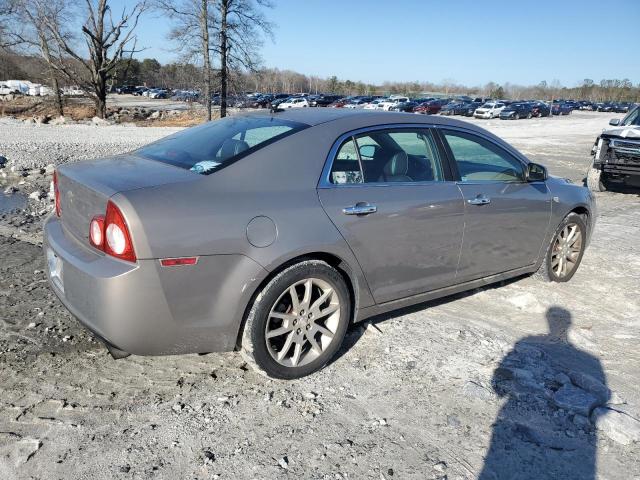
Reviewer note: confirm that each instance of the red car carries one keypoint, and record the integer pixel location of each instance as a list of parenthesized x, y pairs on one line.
[(430, 108), (339, 103)]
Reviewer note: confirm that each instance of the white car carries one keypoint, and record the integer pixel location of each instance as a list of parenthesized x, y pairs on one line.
[(296, 102), (392, 102), (73, 90), (158, 93), (489, 110), (358, 103), (6, 90), (375, 104)]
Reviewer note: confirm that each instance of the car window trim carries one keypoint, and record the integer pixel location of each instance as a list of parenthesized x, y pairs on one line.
[(325, 178), (452, 161)]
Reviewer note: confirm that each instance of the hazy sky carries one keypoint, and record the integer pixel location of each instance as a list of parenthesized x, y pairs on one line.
[(467, 41)]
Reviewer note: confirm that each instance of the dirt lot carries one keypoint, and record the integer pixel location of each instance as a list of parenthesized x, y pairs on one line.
[(497, 383)]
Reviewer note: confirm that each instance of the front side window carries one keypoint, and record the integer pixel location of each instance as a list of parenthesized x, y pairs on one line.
[(213, 145), (481, 160), (632, 118), (386, 156)]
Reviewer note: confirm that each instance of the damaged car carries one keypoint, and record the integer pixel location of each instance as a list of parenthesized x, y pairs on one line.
[(616, 154)]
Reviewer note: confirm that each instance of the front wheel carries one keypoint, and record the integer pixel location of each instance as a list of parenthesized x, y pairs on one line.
[(565, 252), (595, 180), (298, 321), (517, 116)]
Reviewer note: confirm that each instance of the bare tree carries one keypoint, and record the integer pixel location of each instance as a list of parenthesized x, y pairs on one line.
[(7, 11), (232, 30), (241, 30), (31, 33), (193, 21), (107, 42)]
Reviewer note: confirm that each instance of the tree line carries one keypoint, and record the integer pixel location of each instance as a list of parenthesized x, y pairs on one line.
[(87, 43)]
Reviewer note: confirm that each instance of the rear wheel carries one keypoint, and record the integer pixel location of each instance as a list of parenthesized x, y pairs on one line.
[(595, 180), (564, 254), (298, 321), (529, 116)]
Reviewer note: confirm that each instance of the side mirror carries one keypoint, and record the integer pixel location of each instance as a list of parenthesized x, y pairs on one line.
[(614, 121), (536, 173), (367, 151)]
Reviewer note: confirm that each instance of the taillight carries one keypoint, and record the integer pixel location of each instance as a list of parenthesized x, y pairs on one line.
[(117, 240), (96, 232), (56, 193), (110, 234)]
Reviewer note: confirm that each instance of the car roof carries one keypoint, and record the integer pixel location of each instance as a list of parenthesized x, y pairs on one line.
[(353, 119)]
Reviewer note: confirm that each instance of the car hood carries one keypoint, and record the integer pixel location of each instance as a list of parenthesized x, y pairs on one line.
[(630, 131)]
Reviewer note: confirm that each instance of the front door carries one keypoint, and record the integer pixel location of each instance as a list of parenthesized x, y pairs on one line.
[(391, 199), (506, 217)]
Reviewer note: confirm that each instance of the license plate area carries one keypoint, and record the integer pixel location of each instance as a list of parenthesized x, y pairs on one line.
[(55, 269)]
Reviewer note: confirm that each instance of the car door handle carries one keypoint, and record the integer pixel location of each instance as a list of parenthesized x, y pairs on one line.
[(479, 200), (360, 208)]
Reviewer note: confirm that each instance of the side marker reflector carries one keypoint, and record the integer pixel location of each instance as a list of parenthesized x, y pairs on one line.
[(174, 262)]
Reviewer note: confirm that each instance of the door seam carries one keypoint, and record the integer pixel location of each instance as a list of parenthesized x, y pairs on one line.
[(348, 246)]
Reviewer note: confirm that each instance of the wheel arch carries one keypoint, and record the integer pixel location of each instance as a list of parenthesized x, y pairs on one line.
[(342, 266), (583, 212)]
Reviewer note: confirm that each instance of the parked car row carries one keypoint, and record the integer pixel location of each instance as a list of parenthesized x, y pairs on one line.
[(479, 107)]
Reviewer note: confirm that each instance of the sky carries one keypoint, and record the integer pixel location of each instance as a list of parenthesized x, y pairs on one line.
[(468, 42)]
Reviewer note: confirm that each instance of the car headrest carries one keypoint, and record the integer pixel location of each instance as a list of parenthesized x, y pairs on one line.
[(232, 147), (397, 165)]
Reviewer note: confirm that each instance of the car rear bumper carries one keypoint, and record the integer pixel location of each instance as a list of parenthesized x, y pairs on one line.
[(146, 309)]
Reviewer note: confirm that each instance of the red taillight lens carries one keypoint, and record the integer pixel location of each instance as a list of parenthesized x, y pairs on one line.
[(175, 262), (96, 232), (56, 193), (117, 240)]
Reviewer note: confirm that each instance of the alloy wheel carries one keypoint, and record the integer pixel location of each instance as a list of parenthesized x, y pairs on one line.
[(566, 250), (303, 322)]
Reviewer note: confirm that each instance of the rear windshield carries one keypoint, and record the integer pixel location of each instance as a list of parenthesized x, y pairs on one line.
[(214, 145)]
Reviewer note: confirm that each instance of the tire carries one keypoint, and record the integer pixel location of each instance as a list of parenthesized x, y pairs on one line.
[(549, 272), (595, 180), (517, 116), (529, 116), (274, 311)]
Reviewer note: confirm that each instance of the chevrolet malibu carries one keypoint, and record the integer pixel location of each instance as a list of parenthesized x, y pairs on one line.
[(271, 233)]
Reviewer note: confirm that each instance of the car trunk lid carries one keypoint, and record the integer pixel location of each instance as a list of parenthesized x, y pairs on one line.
[(85, 187)]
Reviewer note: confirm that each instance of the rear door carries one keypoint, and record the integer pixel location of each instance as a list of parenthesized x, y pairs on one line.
[(506, 217), (396, 204)]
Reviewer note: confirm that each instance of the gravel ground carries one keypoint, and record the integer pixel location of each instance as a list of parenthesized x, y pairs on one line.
[(521, 380)]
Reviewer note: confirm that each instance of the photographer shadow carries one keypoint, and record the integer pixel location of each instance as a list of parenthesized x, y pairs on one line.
[(543, 431)]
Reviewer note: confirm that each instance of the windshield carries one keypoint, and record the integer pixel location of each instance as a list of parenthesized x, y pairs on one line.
[(633, 118), (214, 145)]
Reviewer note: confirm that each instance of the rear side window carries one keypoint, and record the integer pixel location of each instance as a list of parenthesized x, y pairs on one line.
[(346, 165), (209, 147), (385, 156), (481, 160)]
